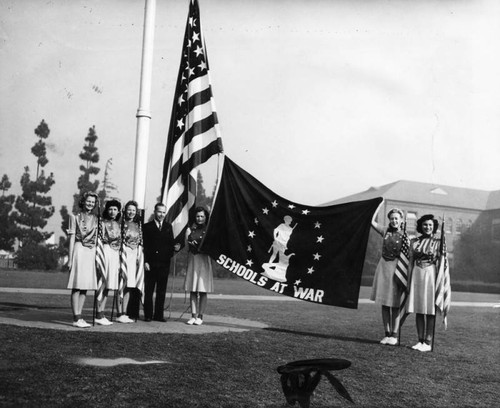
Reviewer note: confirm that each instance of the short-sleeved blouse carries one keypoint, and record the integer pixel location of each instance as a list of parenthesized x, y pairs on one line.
[(392, 245), (85, 229), (131, 234), (112, 234), (425, 251)]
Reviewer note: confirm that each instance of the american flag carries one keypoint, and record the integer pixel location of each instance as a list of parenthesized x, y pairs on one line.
[(100, 265), (443, 287), (140, 272), (401, 275), (194, 134), (122, 279), (401, 272)]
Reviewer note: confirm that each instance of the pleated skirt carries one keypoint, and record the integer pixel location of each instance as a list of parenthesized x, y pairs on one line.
[(385, 290), (112, 259), (83, 274), (199, 274), (422, 290), (131, 261)]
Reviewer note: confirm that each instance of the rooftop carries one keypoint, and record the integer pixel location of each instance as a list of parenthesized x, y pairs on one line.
[(425, 193)]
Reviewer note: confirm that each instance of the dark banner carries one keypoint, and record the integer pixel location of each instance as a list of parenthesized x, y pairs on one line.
[(310, 253)]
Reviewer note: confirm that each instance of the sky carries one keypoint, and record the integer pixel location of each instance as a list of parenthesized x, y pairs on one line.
[(317, 99)]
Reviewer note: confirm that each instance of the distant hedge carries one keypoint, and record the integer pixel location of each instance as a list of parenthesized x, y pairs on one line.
[(37, 256)]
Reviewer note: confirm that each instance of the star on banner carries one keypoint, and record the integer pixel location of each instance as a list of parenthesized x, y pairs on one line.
[(198, 51), (203, 65)]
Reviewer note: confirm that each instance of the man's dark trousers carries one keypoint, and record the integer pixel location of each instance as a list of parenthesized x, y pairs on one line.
[(157, 277)]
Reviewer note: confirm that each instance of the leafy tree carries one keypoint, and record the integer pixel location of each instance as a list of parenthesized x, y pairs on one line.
[(7, 228), (63, 246), (36, 256), (34, 207), (65, 218), (476, 258)]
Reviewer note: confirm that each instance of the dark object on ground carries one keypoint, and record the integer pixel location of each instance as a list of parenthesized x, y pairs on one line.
[(300, 378)]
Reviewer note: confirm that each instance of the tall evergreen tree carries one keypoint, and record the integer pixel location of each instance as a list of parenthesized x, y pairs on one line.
[(5, 184), (90, 157), (109, 189), (201, 196), (89, 170), (34, 207), (7, 228)]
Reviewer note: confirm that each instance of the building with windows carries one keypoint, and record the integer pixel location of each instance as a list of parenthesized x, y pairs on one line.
[(475, 213)]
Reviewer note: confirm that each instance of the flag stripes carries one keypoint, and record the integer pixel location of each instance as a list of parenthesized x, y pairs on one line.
[(443, 287), (122, 279), (402, 266), (194, 134), (123, 274), (100, 262), (140, 272), (201, 156), (401, 276)]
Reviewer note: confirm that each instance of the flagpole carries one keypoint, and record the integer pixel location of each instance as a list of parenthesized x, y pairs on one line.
[(437, 273), (143, 112)]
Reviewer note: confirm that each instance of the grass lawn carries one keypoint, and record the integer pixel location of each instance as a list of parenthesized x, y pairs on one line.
[(39, 367)]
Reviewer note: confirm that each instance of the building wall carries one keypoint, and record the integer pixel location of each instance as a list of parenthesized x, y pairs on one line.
[(457, 221), (472, 237)]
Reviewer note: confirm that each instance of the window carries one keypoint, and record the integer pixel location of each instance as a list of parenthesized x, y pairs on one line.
[(447, 225), (469, 225), (411, 223), (459, 226), (495, 230), (439, 190)]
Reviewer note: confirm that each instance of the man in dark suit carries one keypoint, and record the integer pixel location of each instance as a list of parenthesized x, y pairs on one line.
[(159, 247)]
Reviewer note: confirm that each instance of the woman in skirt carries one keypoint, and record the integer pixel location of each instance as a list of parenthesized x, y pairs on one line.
[(131, 257), (425, 255), (199, 275), (82, 233), (385, 290), (111, 240)]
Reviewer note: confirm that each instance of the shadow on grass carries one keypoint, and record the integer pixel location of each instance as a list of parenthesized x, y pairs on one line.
[(320, 335), (9, 306), (233, 326)]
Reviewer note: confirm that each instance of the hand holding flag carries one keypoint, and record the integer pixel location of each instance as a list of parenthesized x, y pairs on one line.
[(443, 286)]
